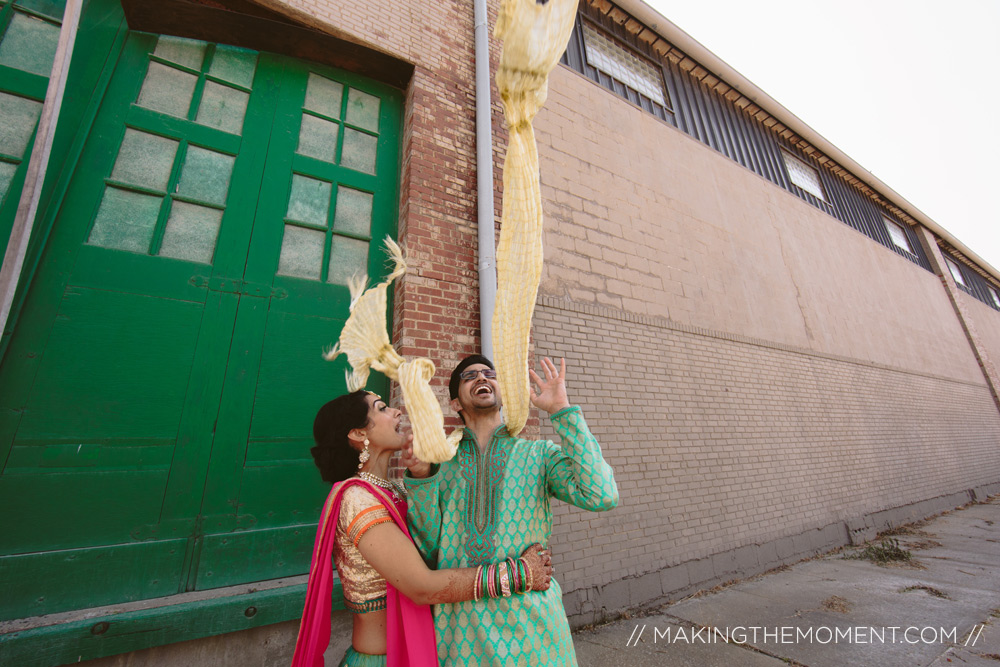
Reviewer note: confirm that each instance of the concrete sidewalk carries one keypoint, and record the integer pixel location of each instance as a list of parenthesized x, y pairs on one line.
[(941, 608)]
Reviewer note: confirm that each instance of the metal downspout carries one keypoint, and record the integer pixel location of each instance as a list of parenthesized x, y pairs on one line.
[(27, 207), (484, 181)]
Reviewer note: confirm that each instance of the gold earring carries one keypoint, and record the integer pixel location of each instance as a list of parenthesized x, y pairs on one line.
[(363, 458)]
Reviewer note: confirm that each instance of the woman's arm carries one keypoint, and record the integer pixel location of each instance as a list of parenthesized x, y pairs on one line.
[(395, 557)]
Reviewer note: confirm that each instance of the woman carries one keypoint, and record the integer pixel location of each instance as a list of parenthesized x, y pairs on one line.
[(386, 583)]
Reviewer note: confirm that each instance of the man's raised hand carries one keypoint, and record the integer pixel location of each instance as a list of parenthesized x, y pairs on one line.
[(550, 394)]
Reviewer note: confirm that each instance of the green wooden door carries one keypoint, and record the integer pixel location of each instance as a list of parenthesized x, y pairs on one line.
[(159, 391)]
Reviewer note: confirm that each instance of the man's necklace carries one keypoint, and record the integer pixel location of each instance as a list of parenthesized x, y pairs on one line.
[(398, 490)]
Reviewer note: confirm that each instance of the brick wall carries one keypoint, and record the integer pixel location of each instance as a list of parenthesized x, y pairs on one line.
[(723, 442), (766, 381)]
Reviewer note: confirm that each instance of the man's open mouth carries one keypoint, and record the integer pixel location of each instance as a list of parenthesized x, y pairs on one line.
[(482, 390)]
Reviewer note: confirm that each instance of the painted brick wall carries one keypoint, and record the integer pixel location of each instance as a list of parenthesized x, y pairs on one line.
[(987, 325), (641, 217), (754, 369)]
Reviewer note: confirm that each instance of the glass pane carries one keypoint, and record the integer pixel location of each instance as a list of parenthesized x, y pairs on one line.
[(897, 235), (19, 117), (145, 159), (318, 138), (301, 252), (51, 8), (362, 110), (191, 232), (125, 220), (206, 175), (223, 107), (234, 65), (623, 65), (187, 52), (29, 44), (7, 170), (323, 96), (956, 272), (803, 175), (359, 151), (354, 211), (167, 90), (348, 257), (309, 201)]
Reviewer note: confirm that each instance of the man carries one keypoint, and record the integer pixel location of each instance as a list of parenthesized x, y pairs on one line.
[(491, 501)]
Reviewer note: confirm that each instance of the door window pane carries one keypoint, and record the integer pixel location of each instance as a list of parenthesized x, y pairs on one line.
[(348, 257), (223, 107), (29, 44), (51, 8), (187, 52), (309, 200), (234, 65), (191, 232), (354, 211), (359, 151), (6, 176), (301, 252), (318, 138), (145, 159), (362, 110), (206, 175), (19, 117), (125, 220), (168, 90), (324, 96)]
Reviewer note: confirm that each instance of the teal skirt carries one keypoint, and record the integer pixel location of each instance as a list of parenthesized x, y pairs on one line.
[(354, 659)]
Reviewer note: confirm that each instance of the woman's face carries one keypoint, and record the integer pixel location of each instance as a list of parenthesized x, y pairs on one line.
[(384, 424)]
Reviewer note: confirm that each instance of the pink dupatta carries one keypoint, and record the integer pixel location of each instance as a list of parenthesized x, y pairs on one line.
[(410, 638)]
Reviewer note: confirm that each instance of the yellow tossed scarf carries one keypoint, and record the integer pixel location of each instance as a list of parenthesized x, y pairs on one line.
[(365, 341), (534, 38)]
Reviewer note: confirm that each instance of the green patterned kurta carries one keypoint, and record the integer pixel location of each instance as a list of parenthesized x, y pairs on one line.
[(479, 509)]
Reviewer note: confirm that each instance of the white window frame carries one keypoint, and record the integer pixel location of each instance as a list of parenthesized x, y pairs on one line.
[(897, 234), (803, 175), (956, 272)]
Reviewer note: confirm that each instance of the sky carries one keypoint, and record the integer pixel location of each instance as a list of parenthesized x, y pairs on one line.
[(908, 90)]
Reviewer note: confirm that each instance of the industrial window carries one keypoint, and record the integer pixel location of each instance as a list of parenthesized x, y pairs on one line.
[(803, 175), (956, 272), (623, 66), (898, 235)]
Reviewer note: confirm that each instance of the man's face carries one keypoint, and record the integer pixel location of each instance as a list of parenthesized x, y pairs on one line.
[(476, 392)]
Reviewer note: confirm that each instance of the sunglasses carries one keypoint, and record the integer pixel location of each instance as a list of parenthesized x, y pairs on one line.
[(488, 373)]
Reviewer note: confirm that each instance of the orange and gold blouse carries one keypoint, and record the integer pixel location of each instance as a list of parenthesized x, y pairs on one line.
[(364, 587)]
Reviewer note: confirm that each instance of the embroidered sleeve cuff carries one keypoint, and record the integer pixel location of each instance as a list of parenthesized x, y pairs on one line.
[(413, 481), (565, 411)]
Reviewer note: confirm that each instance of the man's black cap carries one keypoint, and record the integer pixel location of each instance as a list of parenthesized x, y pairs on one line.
[(462, 365)]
